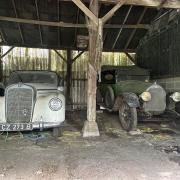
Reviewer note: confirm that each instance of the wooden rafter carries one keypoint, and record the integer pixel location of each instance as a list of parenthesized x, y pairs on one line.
[(19, 26), (134, 30), (58, 18), (120, 30), (76, 30), (71, 25), (112, 11), (86, 11), (38, 17)]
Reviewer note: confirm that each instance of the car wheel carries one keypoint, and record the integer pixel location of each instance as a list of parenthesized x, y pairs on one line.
[(128, 117), (109, 97), (57, 132)]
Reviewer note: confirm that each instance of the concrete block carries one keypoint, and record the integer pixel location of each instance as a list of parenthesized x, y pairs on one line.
[(90, 129)]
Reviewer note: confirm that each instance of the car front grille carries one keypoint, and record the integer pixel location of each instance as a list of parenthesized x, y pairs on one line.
[(19, 103), (157, 104)]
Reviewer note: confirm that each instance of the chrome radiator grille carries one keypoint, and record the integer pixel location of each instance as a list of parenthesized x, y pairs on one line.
[(19, 104), (157, 104)]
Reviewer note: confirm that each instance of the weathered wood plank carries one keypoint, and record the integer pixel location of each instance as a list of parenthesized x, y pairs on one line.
[(175, 4), (71, 25), (86, 11)]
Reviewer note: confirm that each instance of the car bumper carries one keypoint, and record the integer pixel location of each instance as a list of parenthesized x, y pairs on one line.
[(28, 126)]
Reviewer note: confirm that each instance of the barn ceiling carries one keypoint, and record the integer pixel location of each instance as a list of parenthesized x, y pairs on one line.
[(122, 32)]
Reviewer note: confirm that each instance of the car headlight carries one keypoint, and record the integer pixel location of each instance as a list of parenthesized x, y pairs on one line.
[(146, 96), (175, 96), (55, 104)]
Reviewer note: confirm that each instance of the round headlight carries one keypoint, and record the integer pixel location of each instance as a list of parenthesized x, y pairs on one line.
[(55, 104), (146, 96), (175, 96)]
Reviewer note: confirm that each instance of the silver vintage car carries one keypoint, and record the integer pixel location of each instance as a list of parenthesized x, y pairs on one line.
[(32, 100)]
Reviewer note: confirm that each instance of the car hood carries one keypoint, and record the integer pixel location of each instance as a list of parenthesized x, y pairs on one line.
[(42, 86), (134, 86)]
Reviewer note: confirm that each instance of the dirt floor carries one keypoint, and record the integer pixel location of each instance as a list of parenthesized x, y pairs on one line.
[(154, 154)]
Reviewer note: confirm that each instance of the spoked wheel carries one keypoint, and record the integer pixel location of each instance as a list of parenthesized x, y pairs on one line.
[(128, 117)]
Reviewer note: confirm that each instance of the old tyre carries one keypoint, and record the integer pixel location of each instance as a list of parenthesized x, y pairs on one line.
[(109, 97), (128, 117), (57, 132)]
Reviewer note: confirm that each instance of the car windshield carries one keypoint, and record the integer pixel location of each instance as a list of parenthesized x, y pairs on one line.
[(33, 77)]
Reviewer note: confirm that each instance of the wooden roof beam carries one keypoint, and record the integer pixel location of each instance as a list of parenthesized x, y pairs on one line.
[(86, 11), (38, 17), (174, 4), (71, 25), (120, 30), (58, 18), (19, 26), (134, 30), (112, 11)]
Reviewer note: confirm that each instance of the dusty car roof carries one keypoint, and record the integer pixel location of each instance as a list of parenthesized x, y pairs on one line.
[(126, 70)]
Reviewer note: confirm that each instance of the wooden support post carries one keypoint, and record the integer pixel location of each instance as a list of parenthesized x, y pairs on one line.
[(90, 127), (69, 77), (1, 66), (95, 27), (49, 60)]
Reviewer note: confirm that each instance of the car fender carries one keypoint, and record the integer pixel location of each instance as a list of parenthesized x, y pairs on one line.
[(43, 113), (131, 99)]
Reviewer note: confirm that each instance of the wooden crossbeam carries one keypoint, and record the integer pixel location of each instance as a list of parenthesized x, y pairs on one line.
[(71, 25), (63, 58), (86, 11), (112, 11), (76, 57), (9, 50)]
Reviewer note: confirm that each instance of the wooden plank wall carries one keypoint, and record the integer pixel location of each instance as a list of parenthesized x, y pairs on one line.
[(37, 59)]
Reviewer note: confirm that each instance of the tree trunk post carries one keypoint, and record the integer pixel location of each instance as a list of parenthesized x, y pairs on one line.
[(90, 128)]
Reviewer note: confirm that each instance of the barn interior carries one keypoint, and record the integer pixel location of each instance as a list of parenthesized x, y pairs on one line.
[(75, 38)]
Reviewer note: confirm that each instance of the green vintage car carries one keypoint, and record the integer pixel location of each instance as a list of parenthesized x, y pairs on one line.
[(127, 89)]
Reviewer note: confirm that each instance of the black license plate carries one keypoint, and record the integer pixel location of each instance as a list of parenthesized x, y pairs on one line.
[(16, 127)]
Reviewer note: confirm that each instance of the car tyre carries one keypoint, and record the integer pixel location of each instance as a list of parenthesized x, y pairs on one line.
[(57, 132), (128, 117), (109, 97)]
